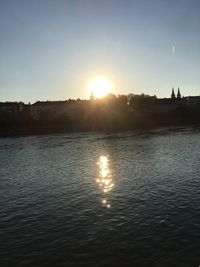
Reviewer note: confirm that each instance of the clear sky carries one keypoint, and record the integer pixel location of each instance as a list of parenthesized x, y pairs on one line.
[(50, 50)]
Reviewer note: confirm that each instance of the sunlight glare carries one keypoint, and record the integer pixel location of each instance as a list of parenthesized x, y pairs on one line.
[(100, 87), (105, 180)]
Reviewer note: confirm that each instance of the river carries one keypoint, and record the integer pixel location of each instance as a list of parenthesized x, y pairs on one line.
[(91, 199)]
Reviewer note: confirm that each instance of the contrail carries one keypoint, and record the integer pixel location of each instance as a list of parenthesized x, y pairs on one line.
[(173, 49)]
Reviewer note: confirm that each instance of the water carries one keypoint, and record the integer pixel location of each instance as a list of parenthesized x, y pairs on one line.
[(129, 199)]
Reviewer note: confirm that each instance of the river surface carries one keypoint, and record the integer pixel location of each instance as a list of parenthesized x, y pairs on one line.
[(124, 199)]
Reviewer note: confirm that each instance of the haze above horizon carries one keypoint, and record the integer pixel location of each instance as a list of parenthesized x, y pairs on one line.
[(54, 49)]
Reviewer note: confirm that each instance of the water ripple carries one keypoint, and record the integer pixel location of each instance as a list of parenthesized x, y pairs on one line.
[(53, 209)]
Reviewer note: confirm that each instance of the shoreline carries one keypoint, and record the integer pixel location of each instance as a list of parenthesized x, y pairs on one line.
[(26, 133)]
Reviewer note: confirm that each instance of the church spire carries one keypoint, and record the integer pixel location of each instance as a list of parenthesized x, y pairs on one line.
[(172, 95), (92, 96), (178, 94)]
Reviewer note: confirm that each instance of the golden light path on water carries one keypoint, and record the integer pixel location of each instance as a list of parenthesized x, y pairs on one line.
[(104, 179)]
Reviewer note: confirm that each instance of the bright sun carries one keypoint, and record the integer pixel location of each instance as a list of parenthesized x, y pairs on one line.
[(100, 87)]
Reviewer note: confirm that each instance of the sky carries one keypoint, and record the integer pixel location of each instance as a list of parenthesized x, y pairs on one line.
[(51, 50)]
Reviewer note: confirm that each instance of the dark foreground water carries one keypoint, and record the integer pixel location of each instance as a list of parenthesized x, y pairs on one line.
[(125, 199)]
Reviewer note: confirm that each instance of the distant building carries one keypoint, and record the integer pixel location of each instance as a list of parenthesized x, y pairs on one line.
[(173, 94), (167, 104), (13, 111), (193, 102), (92, 98), (47, 107), (178, 94)]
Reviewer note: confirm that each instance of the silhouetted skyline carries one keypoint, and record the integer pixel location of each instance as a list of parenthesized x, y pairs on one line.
[(111, 113), (53, 49)]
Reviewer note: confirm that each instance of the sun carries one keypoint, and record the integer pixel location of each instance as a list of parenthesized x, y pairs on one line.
[(100, 87)]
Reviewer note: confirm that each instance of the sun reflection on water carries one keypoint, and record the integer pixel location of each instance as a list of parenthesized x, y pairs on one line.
[(104, 179)]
